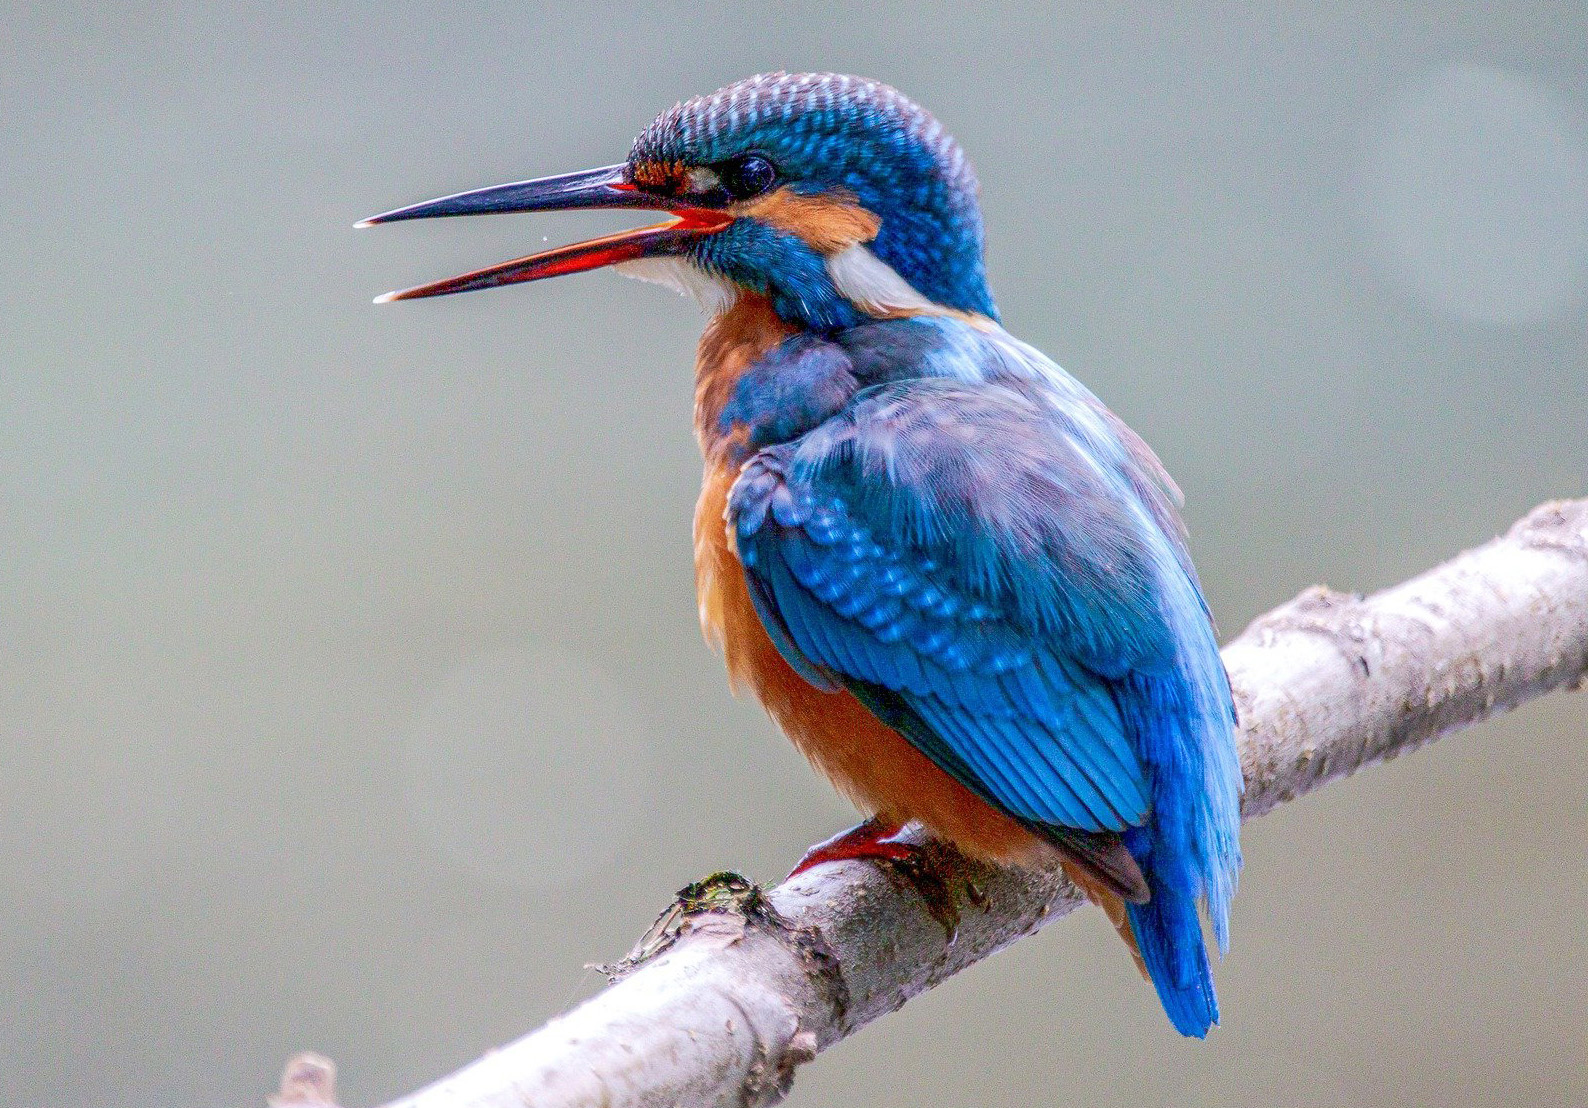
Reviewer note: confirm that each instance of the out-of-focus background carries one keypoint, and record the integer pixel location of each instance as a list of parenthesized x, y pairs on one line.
[(350, 686)]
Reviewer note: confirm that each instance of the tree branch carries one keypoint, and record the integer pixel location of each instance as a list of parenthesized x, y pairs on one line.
[(733, 989)]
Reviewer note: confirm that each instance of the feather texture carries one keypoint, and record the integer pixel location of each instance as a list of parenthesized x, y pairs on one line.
[(954, 532)]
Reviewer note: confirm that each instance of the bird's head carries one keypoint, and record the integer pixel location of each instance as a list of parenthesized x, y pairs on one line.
[(835, 197)]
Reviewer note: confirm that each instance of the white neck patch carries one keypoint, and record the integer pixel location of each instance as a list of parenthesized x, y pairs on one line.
[(862, 278), (712, 293), (874, 286)]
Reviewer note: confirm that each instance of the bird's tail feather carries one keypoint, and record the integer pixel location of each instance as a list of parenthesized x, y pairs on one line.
[(1190, 850), (1168, 936), (1165, 938)]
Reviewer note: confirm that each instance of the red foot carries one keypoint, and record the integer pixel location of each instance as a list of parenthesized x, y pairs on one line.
[(872, 839)]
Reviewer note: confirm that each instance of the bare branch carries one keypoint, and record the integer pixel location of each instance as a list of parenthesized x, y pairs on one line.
[(734, 989)]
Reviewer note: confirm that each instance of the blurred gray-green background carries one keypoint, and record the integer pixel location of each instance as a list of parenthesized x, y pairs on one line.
[(351, 695)]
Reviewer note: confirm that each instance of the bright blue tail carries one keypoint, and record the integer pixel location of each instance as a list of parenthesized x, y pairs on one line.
[(1189, 851), (1169, 934)]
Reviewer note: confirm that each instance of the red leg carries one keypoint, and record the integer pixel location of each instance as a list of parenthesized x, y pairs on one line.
[(874, 838)]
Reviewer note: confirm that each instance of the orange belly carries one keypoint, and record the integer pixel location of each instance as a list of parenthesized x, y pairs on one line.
[(869, 762)]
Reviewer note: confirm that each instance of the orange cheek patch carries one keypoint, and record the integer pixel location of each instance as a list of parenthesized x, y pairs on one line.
[(828, 223)]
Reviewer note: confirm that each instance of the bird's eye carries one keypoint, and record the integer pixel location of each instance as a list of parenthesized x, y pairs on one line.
[(749, 176)]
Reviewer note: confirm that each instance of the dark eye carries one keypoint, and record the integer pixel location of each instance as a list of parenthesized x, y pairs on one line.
[(749, 176)]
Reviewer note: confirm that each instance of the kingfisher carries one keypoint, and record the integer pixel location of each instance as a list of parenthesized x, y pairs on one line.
[(954, 578)]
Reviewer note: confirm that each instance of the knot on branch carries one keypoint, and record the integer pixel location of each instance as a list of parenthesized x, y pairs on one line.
[(728, 909), (729, 906), (1338, 617), (1560, 525), (725, 902)]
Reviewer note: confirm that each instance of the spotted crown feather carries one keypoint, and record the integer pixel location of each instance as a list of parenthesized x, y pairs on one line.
[(815, 106), (834, 131)]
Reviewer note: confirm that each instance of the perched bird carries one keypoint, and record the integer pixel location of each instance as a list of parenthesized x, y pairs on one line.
[(955, 579)]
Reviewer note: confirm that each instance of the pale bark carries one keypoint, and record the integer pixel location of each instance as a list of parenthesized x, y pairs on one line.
[(735, 989)]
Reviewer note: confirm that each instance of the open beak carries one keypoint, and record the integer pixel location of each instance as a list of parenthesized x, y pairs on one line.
[(594, 188)]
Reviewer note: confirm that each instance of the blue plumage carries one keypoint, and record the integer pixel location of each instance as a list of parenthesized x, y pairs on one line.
[(968, 537), (926, 515)]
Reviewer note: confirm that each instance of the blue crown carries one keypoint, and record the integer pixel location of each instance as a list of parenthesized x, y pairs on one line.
[(829, 132)]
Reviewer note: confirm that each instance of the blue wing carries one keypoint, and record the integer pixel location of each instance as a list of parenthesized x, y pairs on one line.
[(959, 559), (993, 564)]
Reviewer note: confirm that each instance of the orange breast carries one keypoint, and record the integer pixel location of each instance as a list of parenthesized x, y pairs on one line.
[(873, 765)]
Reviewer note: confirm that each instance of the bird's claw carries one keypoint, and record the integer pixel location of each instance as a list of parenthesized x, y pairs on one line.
[(874, 839)]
